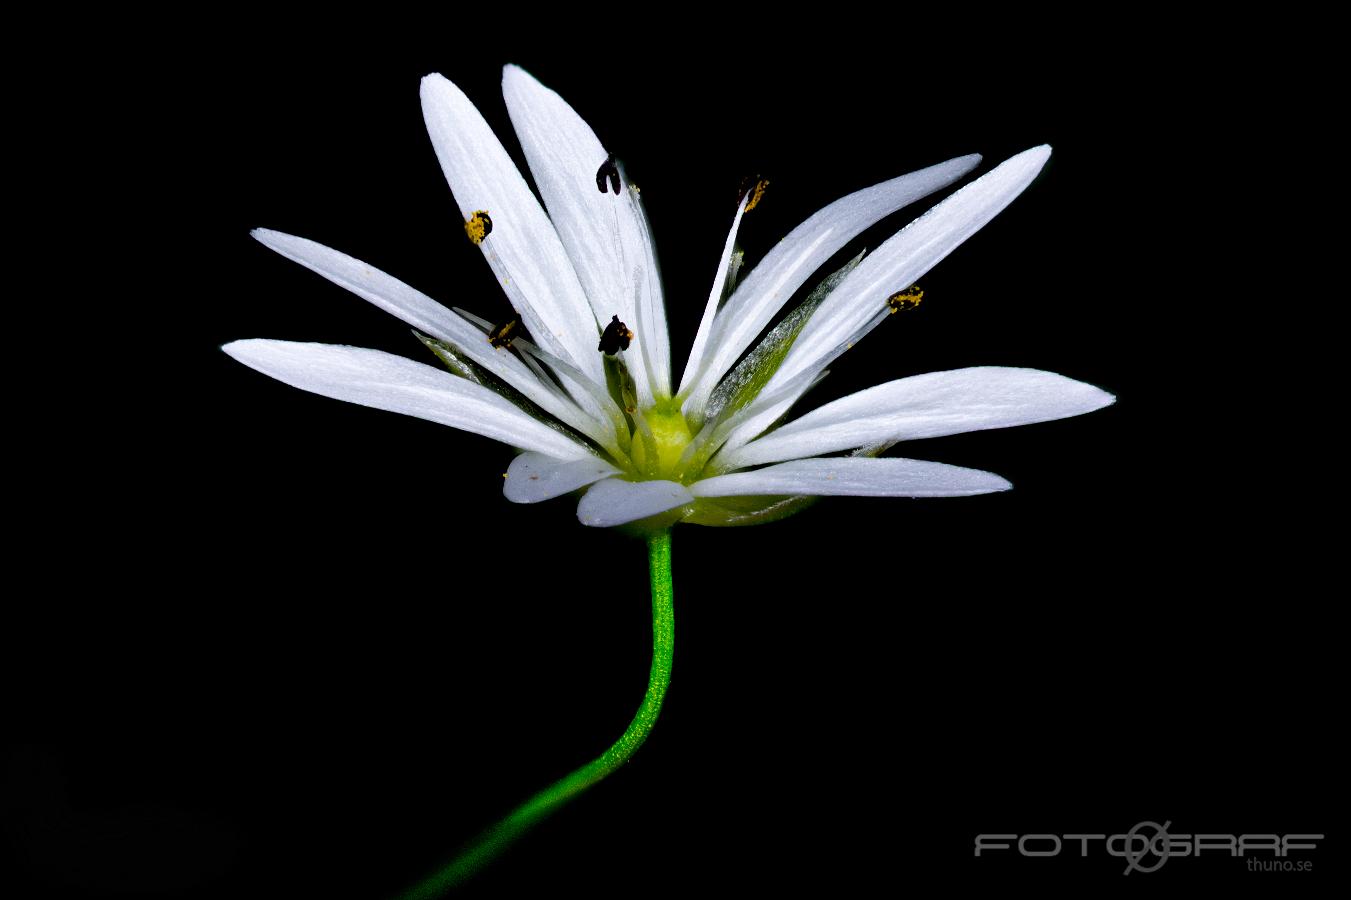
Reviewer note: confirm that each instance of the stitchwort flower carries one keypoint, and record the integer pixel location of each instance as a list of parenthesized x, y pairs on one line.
[(581, 380)]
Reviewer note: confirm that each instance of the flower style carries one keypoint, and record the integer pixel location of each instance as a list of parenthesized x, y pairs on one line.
[(588, 395)]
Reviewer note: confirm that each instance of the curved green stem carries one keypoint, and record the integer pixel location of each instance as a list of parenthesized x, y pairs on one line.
[(488, 845)]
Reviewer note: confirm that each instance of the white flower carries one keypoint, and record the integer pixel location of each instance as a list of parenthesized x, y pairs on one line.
[(706, 451)]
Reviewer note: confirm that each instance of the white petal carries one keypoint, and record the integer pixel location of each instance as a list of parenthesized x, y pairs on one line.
[(769, 406), (425, 314), (533, 477), (771, 283), (523, 248), (761, 414), (590, 395), (855, 477), (384, 381), (901, 261), (924, 406), (614, 502), (650, 316), (605, 234), (705, 332), (597, 399)]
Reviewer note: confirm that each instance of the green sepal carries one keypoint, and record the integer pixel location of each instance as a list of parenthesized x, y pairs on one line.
[(737, 511), (744, 383), (452, 360), (645, 528), (874, 450)]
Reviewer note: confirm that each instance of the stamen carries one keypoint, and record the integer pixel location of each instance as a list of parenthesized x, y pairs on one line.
[(479, 226), (608, 171), (620, 387), (615, 338), (504, 334), (755, 187), (906, 300)]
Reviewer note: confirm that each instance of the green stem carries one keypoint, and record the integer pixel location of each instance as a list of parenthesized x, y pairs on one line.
[(488, 845)]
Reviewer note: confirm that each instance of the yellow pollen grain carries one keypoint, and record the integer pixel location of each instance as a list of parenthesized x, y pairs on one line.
[(504, 334), (756, 193), (479, 226), (908, 299)]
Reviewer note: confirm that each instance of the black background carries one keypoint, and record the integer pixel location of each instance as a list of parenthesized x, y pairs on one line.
[(282, 645)]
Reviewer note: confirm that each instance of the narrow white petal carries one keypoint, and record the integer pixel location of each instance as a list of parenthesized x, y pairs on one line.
[(771, 283), (533, 477), (591, 395), (523, 248), (370, 284), (705, 332), (384, 381), (614, 502), (924, 406), (764, 412), (426, 315), (715, 433), (605, 234), (769, 405), (855, 477), (901, 261), (651, 328)]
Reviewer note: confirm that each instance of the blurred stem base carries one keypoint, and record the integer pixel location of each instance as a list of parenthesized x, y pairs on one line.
[(487, 846)]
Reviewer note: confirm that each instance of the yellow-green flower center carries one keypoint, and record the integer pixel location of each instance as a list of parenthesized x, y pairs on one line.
[(671, 435)]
